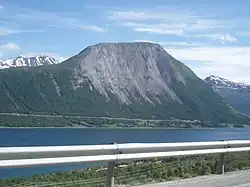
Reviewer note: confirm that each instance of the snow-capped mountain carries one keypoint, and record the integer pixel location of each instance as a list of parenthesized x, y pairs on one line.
[(21, 61), (236, 94), (221, 83)]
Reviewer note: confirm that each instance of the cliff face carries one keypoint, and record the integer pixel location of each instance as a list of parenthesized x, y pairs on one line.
[(129, 70)]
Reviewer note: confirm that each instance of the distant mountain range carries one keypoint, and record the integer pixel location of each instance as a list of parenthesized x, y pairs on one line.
[(221, 83), (117, 80), (22, 61), (236, 94)]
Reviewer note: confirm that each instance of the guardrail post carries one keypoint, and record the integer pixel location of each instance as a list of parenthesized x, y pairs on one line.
[(110, 181), (222, 164)]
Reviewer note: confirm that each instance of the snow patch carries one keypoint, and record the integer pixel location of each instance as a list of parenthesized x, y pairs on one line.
[(21, 61), (220, 82), (58, 89)]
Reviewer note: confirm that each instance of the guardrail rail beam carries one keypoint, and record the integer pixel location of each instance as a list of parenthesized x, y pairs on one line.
[(11, 157)]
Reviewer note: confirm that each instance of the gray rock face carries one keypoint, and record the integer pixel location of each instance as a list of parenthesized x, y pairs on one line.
[(21, 61), (128, 70)]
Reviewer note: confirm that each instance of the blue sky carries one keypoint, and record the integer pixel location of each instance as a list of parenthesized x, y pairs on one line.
[(211, 37)]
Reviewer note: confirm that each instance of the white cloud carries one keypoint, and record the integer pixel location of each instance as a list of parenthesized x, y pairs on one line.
[(93, 28), (50, 19), (7, 31), (160, 31), (227, 38), (148, 41), (167, 21), (159, 14), (179, 22), (174, 43), (58, 57), (163, 29), (229, 62), (134, 15), (183, 44), (218, 55), (10, 47), (88, 27), (223, 38)]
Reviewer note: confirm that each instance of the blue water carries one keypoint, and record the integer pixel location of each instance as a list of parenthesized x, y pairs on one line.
[(81, 136)]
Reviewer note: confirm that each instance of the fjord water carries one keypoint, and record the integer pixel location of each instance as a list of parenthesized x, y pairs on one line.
[(82, 136)]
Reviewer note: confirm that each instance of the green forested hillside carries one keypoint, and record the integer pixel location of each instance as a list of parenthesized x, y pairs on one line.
[(31, 90), (50, 90)]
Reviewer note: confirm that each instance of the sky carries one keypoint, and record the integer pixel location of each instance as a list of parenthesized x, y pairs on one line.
[(211, 37)]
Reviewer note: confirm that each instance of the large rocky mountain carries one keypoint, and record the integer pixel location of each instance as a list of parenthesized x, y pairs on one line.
[(131, 80), (21, 61), (236, 94)]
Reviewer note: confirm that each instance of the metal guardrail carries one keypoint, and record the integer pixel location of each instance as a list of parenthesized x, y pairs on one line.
[(53, 155)]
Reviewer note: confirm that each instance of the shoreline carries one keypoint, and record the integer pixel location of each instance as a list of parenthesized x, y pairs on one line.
[(114, 128)]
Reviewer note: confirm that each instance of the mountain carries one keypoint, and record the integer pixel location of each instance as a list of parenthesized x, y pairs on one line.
[(236, 94), (125, 80), (21, 61), (222, 83)]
